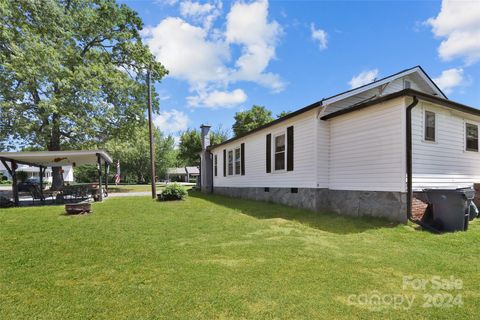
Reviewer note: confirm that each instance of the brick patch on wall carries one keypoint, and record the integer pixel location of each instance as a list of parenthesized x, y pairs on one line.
[(476, 200), (419, 205)]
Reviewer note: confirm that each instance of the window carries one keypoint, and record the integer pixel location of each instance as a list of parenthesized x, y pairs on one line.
[(230, 162), (215, 163), (280, 152), (471, 137), (407, 84), (429, 126), (237, 161)]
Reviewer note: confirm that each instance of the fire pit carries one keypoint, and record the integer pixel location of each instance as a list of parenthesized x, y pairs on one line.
[(77, 208)]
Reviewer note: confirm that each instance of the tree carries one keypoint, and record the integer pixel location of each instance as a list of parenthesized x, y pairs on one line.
[(133, 154), (251, 119), (283, 114), (191, 145), (71, 73), (86, 173)]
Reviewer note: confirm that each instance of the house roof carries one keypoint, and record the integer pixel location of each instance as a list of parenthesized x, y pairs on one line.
[(56, 158), (192, 170), (177, 171), (343, 95), (417, 70), (406, 92)]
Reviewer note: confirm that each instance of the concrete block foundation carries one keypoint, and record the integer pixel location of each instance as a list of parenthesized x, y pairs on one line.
[(389, 205)]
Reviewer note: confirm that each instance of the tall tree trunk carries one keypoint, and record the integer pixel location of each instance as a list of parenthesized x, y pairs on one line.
[(54, 145)]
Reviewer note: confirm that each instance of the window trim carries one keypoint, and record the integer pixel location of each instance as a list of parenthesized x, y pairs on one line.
[(274, 153), (235, 161), (435, 136), (466, 122), (215, 165), (232, 150), (228, 163)]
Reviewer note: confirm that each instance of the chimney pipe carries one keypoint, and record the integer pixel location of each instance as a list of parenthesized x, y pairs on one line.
[(205, 130), (206, 170)]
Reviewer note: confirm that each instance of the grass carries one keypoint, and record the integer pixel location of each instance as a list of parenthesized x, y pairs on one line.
[(126, 188), (215, 257)]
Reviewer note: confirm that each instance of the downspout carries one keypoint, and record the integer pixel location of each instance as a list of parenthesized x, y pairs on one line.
[(409, 168)]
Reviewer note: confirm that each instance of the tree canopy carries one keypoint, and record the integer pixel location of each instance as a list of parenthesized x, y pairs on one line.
[(133, 154), (251, 119), (72, 72), (190, 145), (283, 114)]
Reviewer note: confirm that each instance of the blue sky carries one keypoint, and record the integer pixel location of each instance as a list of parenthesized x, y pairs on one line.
[(226, 56)]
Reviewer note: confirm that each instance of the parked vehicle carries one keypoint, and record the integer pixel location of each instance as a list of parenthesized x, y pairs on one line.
[(28, 184)]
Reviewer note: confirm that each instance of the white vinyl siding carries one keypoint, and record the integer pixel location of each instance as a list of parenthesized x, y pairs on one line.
[(323, 152), (303, 175), (444, 163), (367, 149), (364, 150)]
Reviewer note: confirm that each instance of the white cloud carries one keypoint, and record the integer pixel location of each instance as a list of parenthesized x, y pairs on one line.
[(171, 122), (186, 51), (320, 36), (248, 25), (190, 8), (206, 13), (167, 2), (363, 78), (450, 79), (218, 99), (201, 55), (459, 24)]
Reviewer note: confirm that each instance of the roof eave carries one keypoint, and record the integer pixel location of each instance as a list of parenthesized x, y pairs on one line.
[(406, 92)]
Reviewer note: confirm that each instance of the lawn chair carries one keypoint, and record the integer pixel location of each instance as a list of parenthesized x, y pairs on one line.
[(36, 193)]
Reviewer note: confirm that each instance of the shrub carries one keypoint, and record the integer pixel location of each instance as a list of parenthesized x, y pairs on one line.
[(22, 176), (173, 191), (86, 173)]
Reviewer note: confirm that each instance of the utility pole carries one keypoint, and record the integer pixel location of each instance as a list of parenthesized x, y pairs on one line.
[(152, 146)]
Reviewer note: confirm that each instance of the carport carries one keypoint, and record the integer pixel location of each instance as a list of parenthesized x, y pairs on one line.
[(44, 159)]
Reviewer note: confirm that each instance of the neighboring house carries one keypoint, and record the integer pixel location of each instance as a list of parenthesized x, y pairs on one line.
[(33, 172), (366, 151), (184, 174)]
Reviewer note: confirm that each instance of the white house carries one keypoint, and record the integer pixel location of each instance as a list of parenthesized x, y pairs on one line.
[(367, 151), (33, 172)]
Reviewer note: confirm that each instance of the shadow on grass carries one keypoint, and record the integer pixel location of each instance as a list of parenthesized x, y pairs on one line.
[(120, 190), (327, 221)]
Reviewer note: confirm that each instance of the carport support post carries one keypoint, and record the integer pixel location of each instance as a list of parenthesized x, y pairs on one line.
[(14, 183), (99, 168), (42, 170), (107, 169)]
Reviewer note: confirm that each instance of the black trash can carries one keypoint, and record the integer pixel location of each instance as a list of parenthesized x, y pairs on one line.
[(450, 208)]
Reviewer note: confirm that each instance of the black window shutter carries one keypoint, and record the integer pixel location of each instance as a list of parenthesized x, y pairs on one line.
[(290, 148), (269, 153), (242, 158), (224, 162)]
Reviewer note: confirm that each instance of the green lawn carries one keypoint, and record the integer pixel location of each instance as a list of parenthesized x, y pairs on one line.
[(212, 257), (131, 188), (126, 188)]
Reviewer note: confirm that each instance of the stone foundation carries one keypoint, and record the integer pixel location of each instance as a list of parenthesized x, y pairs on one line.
[(389, 205)]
